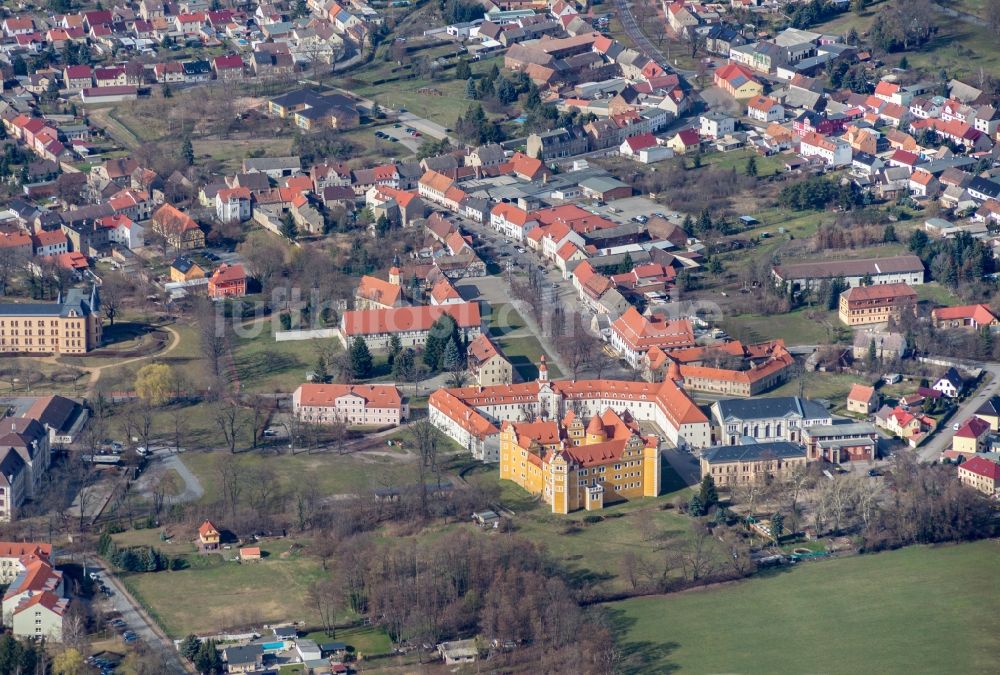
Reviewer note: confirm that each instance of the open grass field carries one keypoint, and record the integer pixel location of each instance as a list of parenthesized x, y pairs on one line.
[(883, 613), (441, 101), (214, 592), (232, 152), (936, 294), (801, 327), (331, 473), (833, 387), (266, 366), (737, 159)]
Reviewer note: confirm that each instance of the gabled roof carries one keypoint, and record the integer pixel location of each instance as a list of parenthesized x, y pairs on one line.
[(860, 392), (770, 408), (49, 601), (228, 274), (640, 142), (982, 467), (974, 427), (407, 319), (374, 395), (979, 313)]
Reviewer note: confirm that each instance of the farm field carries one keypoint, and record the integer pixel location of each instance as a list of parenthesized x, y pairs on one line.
[(874, 614)]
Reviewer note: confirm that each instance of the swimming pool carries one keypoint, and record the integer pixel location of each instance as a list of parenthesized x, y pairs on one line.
[(273, 646)]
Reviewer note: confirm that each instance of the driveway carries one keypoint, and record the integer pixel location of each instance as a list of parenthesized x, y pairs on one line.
[(169, 459), (139, 622), (941, 441)]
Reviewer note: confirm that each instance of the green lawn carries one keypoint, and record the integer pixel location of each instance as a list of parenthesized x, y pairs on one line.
[(331, 473), (507, 328), (801, 327), (592, 552), (937, 294), (368, 640), (831, 386), (266, 366), (916, 610), (214, 593), (441, 101), (737, 159)]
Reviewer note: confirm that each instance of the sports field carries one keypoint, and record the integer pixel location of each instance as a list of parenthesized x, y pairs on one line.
[(916, 610)]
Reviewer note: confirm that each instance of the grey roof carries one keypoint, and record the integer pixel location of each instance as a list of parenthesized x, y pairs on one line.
[(953, 376), (183, 264), (984, 186), (285, 631), (770, 408), (820, 431), (602, 184), (56, 413), (991, 407), (850, 268), (11, 465), (753, 452), (77, 299), (244, 654), (271, 163)]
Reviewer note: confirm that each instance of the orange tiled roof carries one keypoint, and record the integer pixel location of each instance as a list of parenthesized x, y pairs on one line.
[(378, 290), (407, 319), (374, 395), (641, 333)]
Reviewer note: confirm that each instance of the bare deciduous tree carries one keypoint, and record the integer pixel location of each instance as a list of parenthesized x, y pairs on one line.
[(230, 420)]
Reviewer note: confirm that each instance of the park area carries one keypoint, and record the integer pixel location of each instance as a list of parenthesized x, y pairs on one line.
[(915, 610), (591, 546)]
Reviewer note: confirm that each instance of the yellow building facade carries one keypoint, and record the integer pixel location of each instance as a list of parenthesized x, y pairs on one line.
[(574, 466), (72, 325)]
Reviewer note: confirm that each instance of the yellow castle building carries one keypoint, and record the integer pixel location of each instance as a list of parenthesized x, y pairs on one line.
[(573, 466)]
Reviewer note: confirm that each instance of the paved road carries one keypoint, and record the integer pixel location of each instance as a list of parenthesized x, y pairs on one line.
[(632, 29), (942, 439), (142, 625), (193, 491), (963, 16)]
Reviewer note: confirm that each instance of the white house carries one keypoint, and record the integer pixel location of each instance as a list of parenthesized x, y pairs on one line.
[(233, 204), (124, 231), (765, 109), (645, 149), (715, 124), (833, 151), (556, 238), (511, 221), (950, 384)]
